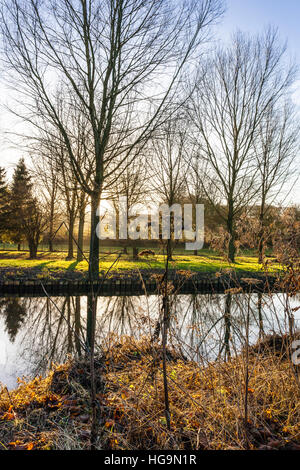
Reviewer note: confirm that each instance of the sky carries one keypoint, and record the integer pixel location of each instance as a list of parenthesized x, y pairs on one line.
[(253, 16), (247, 15)]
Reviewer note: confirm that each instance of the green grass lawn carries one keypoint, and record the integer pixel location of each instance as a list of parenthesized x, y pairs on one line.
[(206, 262)]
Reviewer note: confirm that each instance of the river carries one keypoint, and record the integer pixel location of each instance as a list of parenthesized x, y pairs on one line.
[(36, 331)]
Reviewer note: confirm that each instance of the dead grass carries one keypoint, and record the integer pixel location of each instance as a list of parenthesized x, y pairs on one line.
[(207, 404)]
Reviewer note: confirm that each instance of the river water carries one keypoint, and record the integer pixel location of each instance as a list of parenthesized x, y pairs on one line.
[(36, 331)]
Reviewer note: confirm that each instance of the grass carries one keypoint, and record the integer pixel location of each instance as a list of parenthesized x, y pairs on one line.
[(206, 262), (206, 404)]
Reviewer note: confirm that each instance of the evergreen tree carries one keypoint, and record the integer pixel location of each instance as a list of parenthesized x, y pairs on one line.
[(21, 187), (20, 195), (14, 313), (26, 219), (3, 202)]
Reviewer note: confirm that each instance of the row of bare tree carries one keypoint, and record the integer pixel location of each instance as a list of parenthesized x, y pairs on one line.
[(126, 98)]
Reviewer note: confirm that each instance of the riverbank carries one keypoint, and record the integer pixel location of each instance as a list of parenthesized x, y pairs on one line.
[(50, 272), (207, 403), (139, 282)]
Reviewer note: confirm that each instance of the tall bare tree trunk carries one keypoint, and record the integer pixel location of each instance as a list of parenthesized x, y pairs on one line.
[(51, 225), (80, 232), (70, 236), (94, 240), (261, 233), (231, 231), (32, 249)]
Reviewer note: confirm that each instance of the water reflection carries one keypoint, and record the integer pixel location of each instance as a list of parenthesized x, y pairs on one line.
[(14, 311), (34, 332)]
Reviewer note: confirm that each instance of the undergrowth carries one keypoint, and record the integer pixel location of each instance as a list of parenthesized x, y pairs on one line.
[(206, 403)]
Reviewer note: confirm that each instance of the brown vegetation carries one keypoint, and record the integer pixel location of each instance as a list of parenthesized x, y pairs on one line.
[(206, 404)]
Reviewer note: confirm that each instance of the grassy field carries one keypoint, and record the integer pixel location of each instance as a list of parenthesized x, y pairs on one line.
[(207, 261)]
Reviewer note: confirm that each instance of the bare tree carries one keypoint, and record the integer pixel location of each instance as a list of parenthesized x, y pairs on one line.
[(33, 223), (50, 153), (232, 92), (131, 184), (82, 205), (276, 149), (49, 147), (171, 164), (120, 59), (196, 194), (47, 180), (69, 188)]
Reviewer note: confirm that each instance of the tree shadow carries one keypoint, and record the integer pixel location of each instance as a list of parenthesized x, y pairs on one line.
[(43, 265), (13, 255), (72, 266)]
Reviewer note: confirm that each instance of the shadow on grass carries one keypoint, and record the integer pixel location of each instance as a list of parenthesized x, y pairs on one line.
[(43, 265), (14, 255), (24, 256), (72, 266)]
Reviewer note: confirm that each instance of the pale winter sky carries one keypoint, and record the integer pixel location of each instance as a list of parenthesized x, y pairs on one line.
[(247, 15)]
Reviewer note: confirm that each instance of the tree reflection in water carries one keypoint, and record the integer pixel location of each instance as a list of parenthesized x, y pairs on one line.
[(14, 310), (39, 331)]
